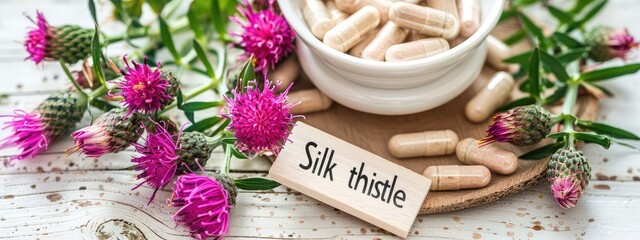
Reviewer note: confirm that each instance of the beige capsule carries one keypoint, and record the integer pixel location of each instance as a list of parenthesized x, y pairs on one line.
[(495, 159), (390, 34), (427, 144), (352, 6), (413, 35), (425, 20), (454, 177), (490, 98), (317, 17), (417, 49), (449, 6), (469, 15), (456, 41), (286, 72), (350, 31), (310, 101), (335, 13), (497, 51), (356, 50)]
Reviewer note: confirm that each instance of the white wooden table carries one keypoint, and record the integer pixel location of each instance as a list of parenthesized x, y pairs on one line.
[(54, 197)]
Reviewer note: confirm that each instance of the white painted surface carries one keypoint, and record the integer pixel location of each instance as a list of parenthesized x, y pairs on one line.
[(53, 197)]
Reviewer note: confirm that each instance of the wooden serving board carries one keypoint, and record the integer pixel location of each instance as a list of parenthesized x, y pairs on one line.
[(372, 132)]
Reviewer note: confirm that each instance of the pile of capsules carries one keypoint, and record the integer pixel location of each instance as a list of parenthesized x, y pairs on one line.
[(409, 29)]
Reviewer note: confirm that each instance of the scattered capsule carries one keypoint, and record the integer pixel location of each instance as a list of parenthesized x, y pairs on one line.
[(356, 50), (352, 6), (469, 14), (417, 49), (425, 20), (350, 31), (286, 72), (497, 51), (495, 159), (490, 98), (310, 101), (335, 13), (390, 34), (428, 143), (454, 177)]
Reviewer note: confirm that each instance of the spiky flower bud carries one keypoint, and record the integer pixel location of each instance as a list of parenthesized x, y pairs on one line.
[(68, 43), (606, 43), (32, 132), (195, 147), (111, 132), (568, 175), (525, 125)]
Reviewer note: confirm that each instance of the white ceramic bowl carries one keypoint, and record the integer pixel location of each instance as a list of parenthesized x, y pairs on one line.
[(391, 78)]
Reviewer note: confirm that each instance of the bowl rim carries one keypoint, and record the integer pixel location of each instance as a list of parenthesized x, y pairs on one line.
[(445, 58)]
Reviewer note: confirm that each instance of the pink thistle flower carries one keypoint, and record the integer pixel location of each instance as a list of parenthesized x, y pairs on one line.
[(606, 43), (36, 42), (260, 119), (159, 160), (110, 133), (524, 125), (566, 191), (265, 35), (204, 205), (621, 43), (146, 89), (93, 140), (29, 134)]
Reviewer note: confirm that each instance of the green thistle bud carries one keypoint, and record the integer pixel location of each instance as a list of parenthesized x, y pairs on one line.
[(228, 184), (525, 125), (110, 133), (194, 146), (568, 175), (606, 43), (61, 111), (68, 43)]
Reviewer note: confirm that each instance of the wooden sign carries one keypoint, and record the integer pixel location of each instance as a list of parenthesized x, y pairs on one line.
[(351, 179)]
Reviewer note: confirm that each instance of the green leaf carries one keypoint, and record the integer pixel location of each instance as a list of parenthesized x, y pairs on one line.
[(92, 9), (572, 55), (96, 55), (608, 73), (562, 16), (508, 14), (556, 95), (604, 90), (219, 20), (238, 154), (567, 40), (535, 33), (228, 140), (579, 5), (590, 137), (195, 25), (165, 34), (515, 37), (558, 135), (190, 116), (157, 5), (63, 65), (542, 152), (196, 106), (221, 127), (554, 66), (180, 97), (255, 184), (203, 58), (588, 16), (608, 130), (203, 124), (534, 73), (521, 58), (102, 105), (519, 102), (247, 73)]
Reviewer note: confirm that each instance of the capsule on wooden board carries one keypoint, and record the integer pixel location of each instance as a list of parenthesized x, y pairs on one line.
[(469, 15), (454, 177), (423, 144), (417, 49), (495, 159), (317, 17), (495, 94), (390, 34), (356, 50), (335, 13), (425, 20), (497, 51), (352, 6), (286, 72), (310, 101), (350, 31)]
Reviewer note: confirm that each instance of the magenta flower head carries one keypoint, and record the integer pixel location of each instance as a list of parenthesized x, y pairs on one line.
[(69, 43), (32, 132), (260, 119), (607, 43), (145, 89), (111, 132), (204, 204), (566, 191), (520, 126), (568, 174), (265, 35)]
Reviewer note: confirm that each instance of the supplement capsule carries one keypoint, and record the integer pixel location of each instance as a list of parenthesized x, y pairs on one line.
[(286, 71), (336, 14), (490, 98), (356, 50), (310, 101), (456, 41), (449, 6), (496, 52), (454, 177), (495, 159), (317, 17), (413, 35), (390, 34), (429, 143), (350, 31), (352, 6), (425, 20), (469, 15), (417, 49)]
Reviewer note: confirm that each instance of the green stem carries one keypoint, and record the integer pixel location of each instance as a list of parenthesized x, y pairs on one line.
[(570, 100), (102, 90), (180, 25), (193, 93)]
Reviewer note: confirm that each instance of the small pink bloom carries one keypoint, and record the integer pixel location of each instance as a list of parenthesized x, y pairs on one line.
[(203, 204), (36, 42), (92, 140), (29, 134), (566, 191), (265, 35), (260, 119), (621, 43)]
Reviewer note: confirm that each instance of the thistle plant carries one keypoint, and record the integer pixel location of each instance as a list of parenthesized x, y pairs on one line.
[(556, 70)]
